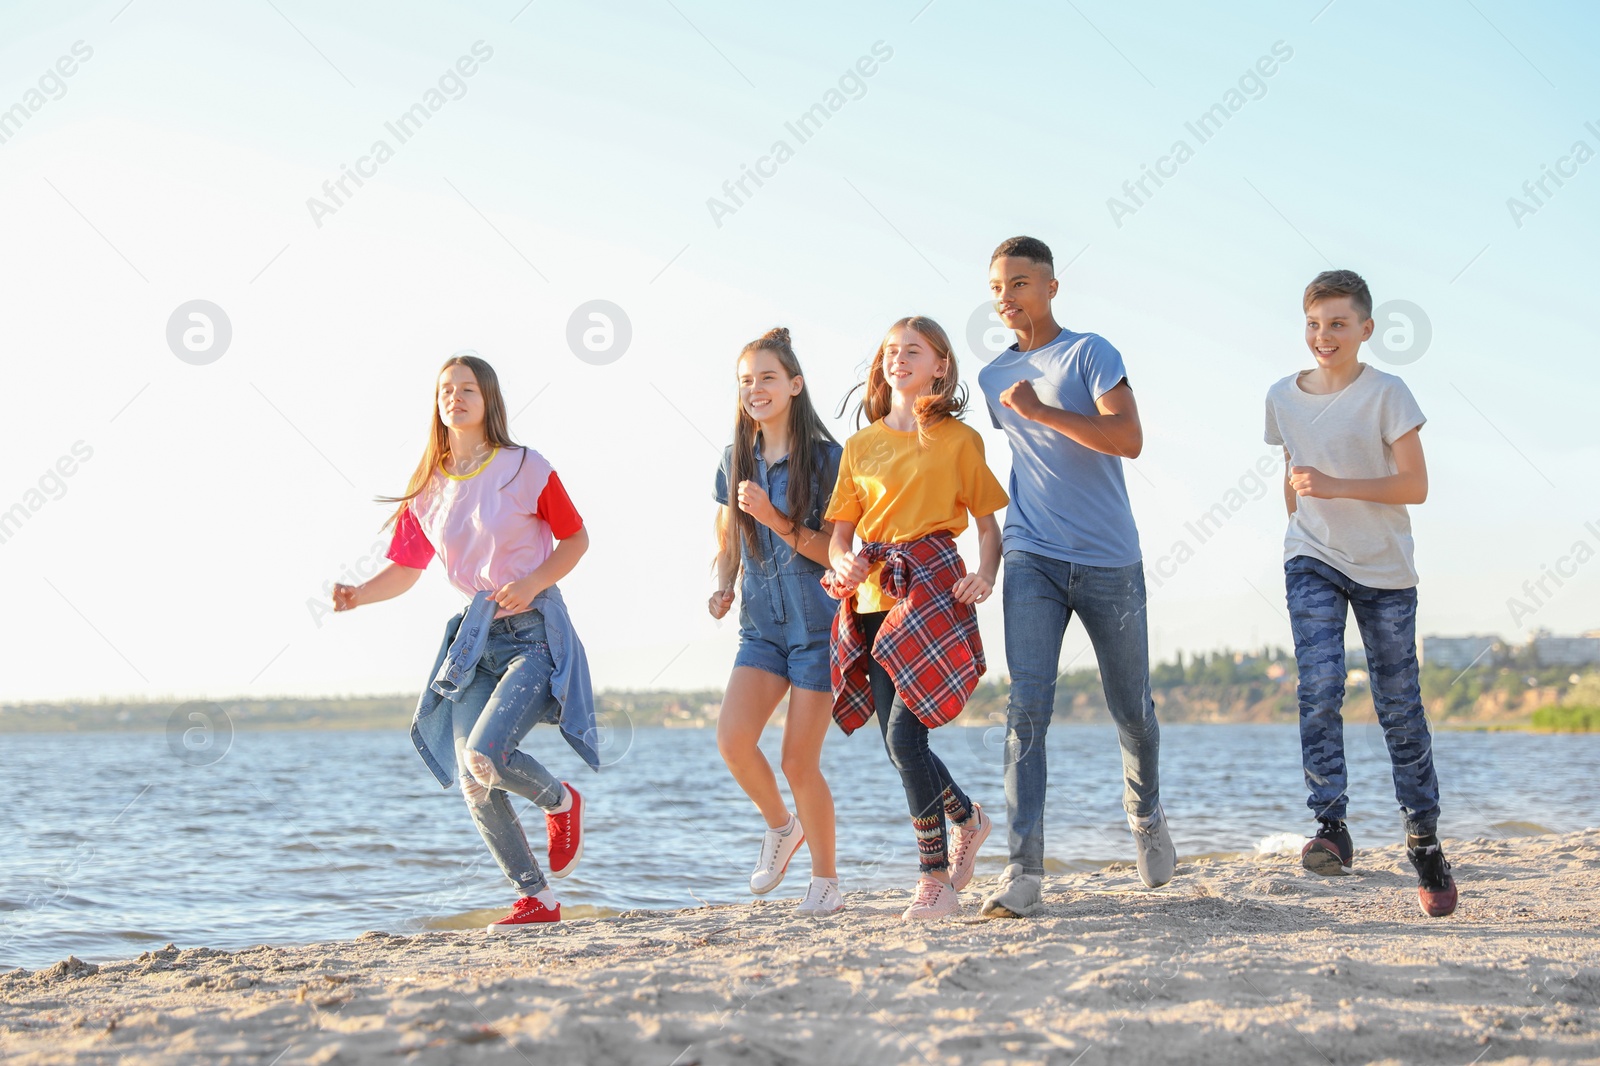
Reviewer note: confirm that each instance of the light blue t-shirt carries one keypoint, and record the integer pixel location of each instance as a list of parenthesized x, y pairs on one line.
[(1067, 502)]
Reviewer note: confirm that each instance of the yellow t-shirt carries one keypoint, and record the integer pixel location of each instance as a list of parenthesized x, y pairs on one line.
[(896, 491)]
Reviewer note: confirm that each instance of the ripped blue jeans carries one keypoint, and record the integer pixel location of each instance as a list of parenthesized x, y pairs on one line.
[(508, 695), (1320, 598)]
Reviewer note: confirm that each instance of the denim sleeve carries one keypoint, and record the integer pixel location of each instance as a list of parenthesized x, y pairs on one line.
[(721, 491), (827, 475)]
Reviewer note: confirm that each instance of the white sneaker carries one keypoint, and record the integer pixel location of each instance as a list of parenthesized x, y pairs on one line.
[(935, 899), (1157, 858), (1015, 895), (968, 839), (822, 899), (777, 848)]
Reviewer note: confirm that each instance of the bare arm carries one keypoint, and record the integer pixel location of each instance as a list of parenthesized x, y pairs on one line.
[(976, 587), (988, 548), (721, 599), (811, 543), (386, 584), (847, 567), (1290, 497), (1408, 485), (517, 596), (814, 544), (727, 569), (1116, 430), (560, 561)]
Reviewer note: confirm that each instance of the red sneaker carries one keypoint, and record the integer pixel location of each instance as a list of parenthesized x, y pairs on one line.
[(525, 912), (565, 831)]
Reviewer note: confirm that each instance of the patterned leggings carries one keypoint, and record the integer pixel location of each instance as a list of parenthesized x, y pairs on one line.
[(1320, 598), (931, 793)]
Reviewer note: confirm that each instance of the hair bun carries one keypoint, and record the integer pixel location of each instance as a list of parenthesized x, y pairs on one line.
[(777, 333)]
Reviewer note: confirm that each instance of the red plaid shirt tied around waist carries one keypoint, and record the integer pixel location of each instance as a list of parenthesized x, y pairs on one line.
[(928, 643)]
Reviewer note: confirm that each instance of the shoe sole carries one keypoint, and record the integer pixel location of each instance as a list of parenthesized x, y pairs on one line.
[(1324, 861), (1442, 907), (818, 914), (1155, 884), (983, 834), (783, 871), (510, 930)]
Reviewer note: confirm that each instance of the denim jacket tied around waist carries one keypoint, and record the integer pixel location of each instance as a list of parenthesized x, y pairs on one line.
[(431, 728)]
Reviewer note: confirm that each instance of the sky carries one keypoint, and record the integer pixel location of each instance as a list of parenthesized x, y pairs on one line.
[(186, 503)]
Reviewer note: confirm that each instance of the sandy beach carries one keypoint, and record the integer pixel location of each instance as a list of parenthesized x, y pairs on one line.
[(1240, 959)]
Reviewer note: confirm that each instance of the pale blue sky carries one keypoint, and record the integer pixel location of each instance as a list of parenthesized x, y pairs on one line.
[(177, 163)]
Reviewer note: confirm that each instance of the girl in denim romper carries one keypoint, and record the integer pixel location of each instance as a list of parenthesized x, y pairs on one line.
[(773, 485), (493, 512)]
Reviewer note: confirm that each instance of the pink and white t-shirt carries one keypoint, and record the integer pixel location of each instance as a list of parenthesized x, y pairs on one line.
[(490, 527)]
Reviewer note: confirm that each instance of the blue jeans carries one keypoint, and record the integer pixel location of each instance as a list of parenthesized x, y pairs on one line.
[(1039, 595), (931, 793), (508, 696), (1319, 598)]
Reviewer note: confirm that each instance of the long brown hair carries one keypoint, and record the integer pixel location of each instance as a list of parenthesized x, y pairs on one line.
[(495, 429), (806, 433), (948, 398)]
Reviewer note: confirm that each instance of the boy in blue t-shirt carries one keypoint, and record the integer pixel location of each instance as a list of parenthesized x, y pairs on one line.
[(1071, 547), (1353, 459)]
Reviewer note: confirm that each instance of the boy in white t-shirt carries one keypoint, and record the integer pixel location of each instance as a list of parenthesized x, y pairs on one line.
[(1353, 453)]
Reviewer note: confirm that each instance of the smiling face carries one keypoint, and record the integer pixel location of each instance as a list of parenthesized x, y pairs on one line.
[(910, 362), (1022, 290), (1334, 332), (765, 387), (461, 403)]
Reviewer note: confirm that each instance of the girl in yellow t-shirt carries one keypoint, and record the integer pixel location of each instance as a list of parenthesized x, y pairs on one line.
[(905, 645)]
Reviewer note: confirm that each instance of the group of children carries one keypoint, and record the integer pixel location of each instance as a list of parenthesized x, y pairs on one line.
[(855, 604)]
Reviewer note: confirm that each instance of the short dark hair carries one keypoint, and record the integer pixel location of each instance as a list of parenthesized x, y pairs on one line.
[(1026, 248), (1340, 283)]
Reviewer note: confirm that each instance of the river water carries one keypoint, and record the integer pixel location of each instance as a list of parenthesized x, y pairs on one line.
[(113, 843)]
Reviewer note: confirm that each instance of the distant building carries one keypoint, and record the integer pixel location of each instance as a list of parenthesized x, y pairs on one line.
[(1457, 653), (1565, 651)]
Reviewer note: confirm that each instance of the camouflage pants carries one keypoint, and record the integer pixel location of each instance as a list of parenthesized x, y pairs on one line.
[(1319, 598)]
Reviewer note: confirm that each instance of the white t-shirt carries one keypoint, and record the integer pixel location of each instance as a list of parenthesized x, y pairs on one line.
[(1349, 434)]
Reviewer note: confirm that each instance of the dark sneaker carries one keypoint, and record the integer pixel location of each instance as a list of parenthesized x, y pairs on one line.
[(1436, 889), (1329, 853)]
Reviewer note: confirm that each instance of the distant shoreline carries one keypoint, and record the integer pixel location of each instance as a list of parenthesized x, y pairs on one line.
[(1222, 690)]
